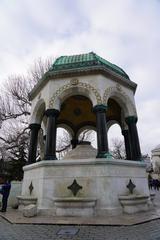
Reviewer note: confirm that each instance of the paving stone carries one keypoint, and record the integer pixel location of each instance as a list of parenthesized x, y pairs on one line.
[(146, 231)]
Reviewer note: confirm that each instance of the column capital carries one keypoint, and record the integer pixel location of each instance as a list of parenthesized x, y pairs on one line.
[(124, 131), (52, 112), (35, 126), (100, 108), (131, 119)]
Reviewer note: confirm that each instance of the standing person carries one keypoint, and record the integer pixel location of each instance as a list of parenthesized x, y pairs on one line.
[(150, 181), (5, 190), (157, 184)]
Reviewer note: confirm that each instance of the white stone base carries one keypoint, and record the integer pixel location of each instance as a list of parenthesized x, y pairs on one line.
[(101, 179)]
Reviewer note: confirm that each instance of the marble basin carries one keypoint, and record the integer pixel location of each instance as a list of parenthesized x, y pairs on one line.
[(73, 206), (25, 201), (133, 203)]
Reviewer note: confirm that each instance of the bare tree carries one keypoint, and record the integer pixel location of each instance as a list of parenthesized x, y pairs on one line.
[(14, 100), (118, 149), (38, 69), (15, 111), (64, 141), (87, 135)]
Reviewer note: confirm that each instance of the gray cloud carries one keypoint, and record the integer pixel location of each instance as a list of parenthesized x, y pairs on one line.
[(125, 32)]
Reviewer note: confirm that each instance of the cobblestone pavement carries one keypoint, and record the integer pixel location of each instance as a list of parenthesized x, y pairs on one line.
[(146, 231)]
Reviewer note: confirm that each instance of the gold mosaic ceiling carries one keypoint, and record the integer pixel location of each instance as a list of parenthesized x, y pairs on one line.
[(76, 112)]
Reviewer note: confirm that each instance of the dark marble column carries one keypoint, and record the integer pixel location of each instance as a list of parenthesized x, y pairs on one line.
[(102, 141), (34, 127), (50, 146), (134, 139), (74, 142), (125, 133)]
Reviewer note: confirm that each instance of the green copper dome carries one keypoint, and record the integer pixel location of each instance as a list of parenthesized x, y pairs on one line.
[(85, 61)]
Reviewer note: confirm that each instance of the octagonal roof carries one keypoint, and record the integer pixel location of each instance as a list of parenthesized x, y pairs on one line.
[(83, 64), (83, 61)]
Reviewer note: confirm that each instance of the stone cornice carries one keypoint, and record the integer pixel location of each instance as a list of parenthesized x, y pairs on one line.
[(80, 72), (96, 162)]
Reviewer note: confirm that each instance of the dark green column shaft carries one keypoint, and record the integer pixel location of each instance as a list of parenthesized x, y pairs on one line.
[(34, 127), (74, 142), (50, 147), (134, 139), (102, 141), (125, 133)]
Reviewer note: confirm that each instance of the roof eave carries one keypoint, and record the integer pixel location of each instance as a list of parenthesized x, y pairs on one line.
[(79, 72)]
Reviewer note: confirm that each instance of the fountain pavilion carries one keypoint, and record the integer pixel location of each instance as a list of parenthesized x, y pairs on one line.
[(84, 92)]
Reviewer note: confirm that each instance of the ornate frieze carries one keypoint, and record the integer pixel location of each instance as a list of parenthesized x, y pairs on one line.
[(119, 91), (75, 83)]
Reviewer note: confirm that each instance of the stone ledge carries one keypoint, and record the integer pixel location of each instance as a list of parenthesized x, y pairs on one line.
[(97, 161), (16, 217), (75, 202)]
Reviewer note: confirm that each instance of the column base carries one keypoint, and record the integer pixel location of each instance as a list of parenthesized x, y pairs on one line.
[(104, 155), (50, 158)]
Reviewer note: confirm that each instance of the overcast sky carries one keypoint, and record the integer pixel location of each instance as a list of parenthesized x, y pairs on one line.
[(125, 32)]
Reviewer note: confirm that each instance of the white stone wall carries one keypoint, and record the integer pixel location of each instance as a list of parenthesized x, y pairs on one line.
[(102, 179)]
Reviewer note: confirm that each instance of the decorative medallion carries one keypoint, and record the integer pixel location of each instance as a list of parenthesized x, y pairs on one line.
[(74, 81), (87, 86), (131, 186), (74, 187), (77, 112), (31, 188)]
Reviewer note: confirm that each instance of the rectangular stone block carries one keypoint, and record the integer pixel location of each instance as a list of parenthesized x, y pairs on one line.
[(30, 210)]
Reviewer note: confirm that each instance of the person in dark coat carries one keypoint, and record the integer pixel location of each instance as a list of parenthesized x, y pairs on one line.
[(5, 190), (150, 181)]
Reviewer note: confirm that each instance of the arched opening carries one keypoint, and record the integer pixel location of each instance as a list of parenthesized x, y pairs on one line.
[(38, 112), (124, 101), (38, 118), (76, 113), (116, 142), (77, 117), (86, 90), (88, 135), (63, 143), (114, 111)]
